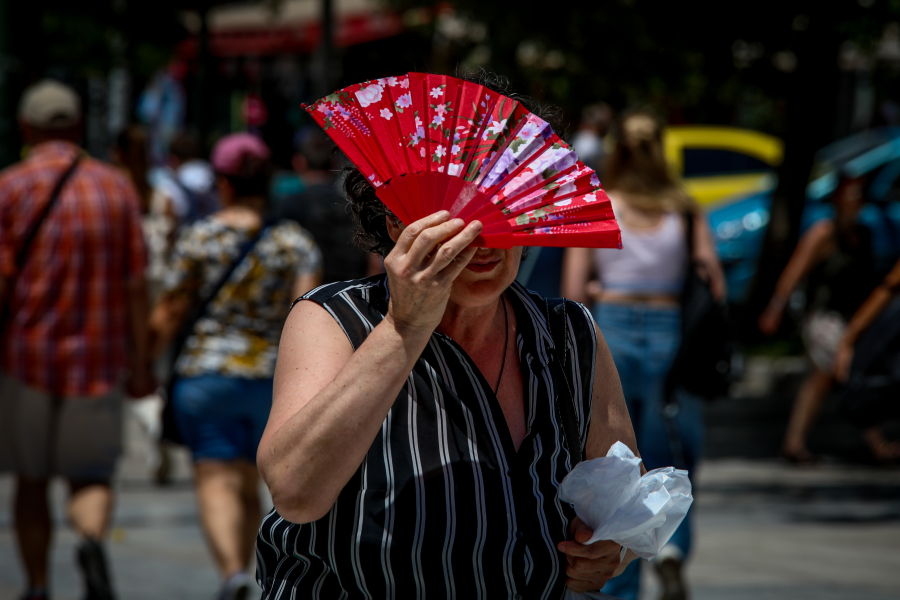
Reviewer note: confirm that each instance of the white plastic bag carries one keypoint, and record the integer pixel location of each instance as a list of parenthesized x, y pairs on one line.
[(611, 497)]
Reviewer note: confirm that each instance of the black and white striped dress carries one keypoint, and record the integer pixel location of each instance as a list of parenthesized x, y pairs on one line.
[(443, 506)]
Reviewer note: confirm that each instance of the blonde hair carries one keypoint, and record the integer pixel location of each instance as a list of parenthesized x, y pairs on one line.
[(637, 165)]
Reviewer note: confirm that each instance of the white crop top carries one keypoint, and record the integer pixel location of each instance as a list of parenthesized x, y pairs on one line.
[(651, 261)]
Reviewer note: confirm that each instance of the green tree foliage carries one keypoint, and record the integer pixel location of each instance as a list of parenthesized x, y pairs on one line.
[(701, 61), (90, 36)]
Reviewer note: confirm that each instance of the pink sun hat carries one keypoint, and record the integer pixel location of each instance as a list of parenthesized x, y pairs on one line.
[(229, 157)]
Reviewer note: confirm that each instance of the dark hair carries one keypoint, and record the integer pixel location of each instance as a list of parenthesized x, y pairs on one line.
[(252, 178), (131, 147), (185, 146), (369, 212), (316, 148), (597, 116)]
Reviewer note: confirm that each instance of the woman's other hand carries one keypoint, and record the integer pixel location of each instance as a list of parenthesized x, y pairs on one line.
[(770, 320), (706, 255), (590, 566), (429, 255)]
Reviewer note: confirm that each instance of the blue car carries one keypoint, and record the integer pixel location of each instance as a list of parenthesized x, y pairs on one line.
[(875, 155)]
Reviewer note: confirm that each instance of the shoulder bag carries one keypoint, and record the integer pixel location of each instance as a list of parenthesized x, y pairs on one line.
[(30, 236), (169, 427), (705, 363)]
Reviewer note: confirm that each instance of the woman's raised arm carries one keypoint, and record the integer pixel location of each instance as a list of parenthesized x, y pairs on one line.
[(329, 402)]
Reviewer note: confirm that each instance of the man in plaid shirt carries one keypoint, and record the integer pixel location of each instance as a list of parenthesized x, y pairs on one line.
[(76, 309)]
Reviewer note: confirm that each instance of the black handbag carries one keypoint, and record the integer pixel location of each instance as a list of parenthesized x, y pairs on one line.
[(872, 395), (707, 362), (169, 426)]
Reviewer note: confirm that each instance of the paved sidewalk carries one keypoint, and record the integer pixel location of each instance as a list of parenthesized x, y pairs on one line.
[(156, 547), (765, 530)]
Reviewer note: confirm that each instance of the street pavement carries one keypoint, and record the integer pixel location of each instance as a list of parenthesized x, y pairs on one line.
[(765, 530)]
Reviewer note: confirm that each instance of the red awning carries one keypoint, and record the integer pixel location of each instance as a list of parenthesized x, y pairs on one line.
[(300, 38)]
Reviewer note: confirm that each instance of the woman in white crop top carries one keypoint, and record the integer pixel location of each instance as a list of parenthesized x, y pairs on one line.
[(634, 293)]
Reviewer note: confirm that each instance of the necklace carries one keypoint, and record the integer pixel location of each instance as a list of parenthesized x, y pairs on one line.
[(505, 345)]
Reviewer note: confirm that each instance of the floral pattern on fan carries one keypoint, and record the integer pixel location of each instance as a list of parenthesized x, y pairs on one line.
[(432, 142)]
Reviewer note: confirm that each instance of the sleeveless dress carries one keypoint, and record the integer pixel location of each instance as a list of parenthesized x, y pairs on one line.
[(443, 506)]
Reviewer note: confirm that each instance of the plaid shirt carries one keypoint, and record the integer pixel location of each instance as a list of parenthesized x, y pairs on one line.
[(68, 328)]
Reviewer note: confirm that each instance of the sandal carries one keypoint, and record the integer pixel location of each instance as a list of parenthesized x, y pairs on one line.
[(802, 457)]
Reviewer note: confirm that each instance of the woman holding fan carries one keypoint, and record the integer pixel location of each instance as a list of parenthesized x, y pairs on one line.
[(415, 445)]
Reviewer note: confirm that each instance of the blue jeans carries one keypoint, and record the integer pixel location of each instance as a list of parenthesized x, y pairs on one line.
[(643, 341), (222, 418)]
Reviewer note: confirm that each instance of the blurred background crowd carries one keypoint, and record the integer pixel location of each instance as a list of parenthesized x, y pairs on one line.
[(776, 123)]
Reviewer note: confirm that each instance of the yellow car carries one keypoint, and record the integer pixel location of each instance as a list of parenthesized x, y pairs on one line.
[(731, 172)]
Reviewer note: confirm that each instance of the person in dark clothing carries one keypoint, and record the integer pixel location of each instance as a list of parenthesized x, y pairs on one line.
[(880, 403), (322, 210), (836, 257)]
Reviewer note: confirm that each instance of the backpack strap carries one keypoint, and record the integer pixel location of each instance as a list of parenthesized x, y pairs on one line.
[(557, 323)]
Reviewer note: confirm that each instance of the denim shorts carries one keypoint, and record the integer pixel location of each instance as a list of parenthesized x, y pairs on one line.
[(222, 418)]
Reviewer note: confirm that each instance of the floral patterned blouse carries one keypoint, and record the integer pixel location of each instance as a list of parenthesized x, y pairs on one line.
[(238, 334)]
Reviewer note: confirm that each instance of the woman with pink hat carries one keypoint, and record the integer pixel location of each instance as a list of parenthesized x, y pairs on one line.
[(228, 290)]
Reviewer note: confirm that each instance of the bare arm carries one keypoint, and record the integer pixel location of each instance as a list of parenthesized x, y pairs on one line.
[(862, 318), (166, 319), (707, 256), (610, 422), (329, 402), (328, 406), (576, 274), (812, 249), (141, 381)]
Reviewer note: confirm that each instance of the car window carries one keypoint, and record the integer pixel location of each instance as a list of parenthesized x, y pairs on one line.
[(699, 162)]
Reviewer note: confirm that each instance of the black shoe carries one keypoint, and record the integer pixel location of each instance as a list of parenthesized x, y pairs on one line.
[(92, 561), (236, 588), (673, 587)]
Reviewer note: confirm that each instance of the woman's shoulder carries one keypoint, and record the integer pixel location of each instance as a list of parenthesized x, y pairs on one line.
[(357, 306), (290, 229), (201, 235), (369, 290), (290, 234)]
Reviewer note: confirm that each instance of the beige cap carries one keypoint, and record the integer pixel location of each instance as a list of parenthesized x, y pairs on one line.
[(49, 104)]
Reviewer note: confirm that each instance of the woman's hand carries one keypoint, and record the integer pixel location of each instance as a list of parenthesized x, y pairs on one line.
[(590, 566), (712, 275), (429, 255), (770, 320)]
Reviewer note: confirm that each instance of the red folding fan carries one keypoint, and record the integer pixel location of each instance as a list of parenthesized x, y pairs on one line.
[(432, 142)]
